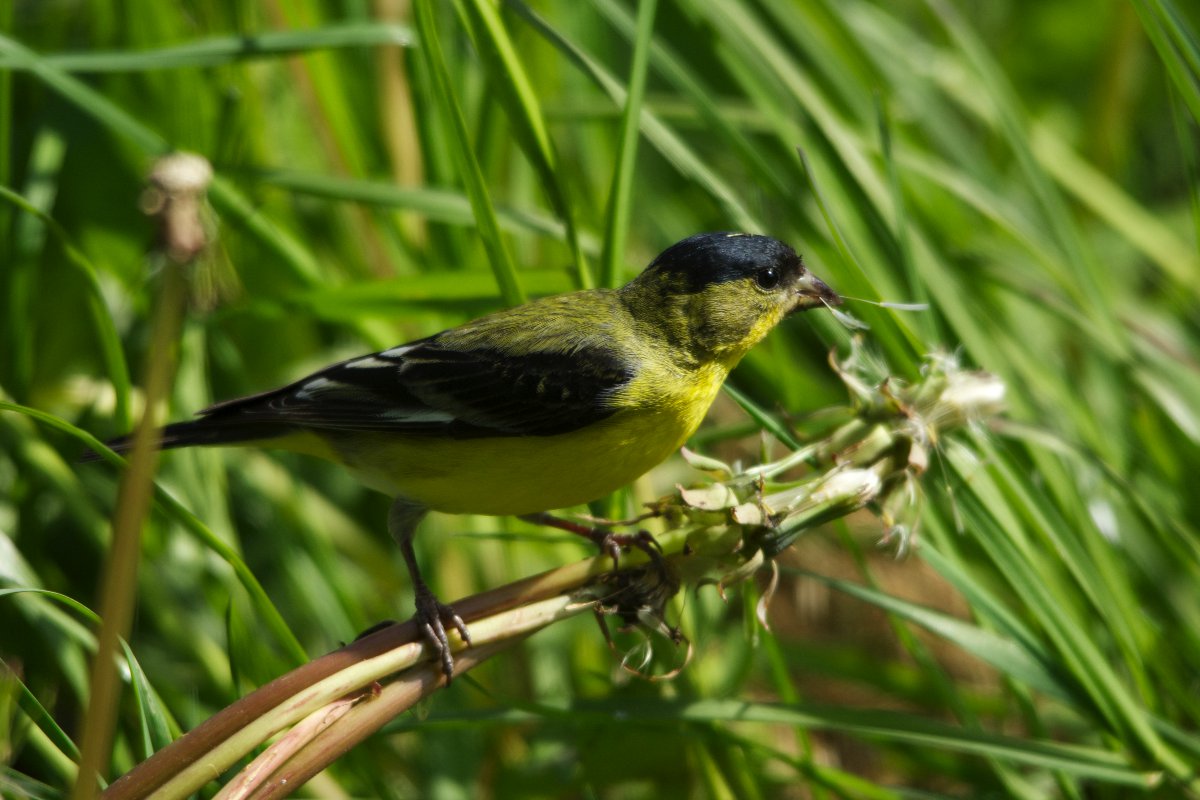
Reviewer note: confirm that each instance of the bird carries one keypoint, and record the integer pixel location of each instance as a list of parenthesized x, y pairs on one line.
[(545, 405)]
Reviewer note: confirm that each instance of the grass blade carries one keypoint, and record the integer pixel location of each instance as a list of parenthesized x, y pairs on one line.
[(619, 197), (481, 201), (525, 114)]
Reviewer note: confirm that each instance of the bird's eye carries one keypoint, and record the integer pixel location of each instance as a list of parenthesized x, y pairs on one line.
[(767, 278)]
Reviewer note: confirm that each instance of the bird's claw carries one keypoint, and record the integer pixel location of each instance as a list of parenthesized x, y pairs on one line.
[(613, 543), (432, 616), (609, 544)]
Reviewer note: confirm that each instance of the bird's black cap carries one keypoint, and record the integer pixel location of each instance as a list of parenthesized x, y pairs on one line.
[(709, 258)]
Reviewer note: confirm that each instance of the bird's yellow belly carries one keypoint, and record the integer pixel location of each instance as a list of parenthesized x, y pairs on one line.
[(518, 474)]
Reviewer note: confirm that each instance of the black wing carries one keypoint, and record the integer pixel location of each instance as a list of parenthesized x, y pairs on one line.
[(430, 389)]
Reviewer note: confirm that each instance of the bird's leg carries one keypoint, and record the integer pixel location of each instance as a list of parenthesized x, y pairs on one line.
[(432, 616), (609, 543)]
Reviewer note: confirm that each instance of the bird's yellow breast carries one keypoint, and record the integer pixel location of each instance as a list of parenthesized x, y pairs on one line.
[(526, 474)]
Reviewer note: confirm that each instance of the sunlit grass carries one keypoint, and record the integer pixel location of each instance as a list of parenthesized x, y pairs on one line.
[(912, 152)]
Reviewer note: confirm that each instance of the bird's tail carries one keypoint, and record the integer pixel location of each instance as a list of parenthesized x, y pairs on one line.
[(204, 431)]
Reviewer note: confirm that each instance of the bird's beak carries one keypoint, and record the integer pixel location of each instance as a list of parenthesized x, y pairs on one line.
[(811, 292)]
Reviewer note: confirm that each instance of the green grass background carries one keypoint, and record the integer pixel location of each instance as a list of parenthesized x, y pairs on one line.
[(1028, 168)]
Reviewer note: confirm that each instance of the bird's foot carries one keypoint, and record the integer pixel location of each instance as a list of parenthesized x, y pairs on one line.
[(432, 617), (610, 544)]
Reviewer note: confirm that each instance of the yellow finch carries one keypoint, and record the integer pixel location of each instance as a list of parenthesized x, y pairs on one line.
[(551, 404)]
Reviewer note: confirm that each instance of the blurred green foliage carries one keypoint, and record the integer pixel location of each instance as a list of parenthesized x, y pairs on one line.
[(1030, 169)]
